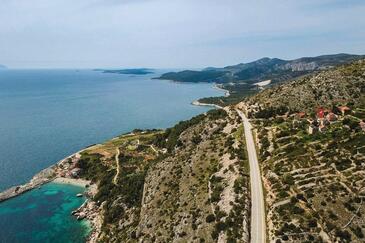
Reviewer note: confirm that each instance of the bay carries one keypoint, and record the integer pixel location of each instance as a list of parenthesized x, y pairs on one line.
[(46, 115)]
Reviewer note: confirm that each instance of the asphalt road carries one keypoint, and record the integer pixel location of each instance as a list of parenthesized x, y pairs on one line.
[(258, 221)]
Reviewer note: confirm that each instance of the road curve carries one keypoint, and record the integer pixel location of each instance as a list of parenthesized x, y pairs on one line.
[(258, 221)]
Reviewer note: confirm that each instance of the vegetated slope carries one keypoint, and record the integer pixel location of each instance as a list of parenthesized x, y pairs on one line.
[(186, 184), (240, 80), (339, 85), (194, 76), (313, 162), (199, 191)]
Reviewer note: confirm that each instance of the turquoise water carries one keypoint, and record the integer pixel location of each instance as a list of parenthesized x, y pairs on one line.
[(43, 215), (46, 115)]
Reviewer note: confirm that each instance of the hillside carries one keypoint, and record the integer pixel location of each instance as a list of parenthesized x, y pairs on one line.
[(339, 85), (311, 140), (186, 184), (241, 79), (191, 182)]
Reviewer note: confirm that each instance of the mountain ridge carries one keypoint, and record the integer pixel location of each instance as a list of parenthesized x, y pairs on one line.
[(265, 68)]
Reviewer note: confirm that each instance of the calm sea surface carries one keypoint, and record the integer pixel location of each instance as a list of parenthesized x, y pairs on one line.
[(46, 115), (43, 215)]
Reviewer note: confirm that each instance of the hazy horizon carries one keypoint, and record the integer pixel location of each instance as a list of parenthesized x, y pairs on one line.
[(157, 68), (174, 34)]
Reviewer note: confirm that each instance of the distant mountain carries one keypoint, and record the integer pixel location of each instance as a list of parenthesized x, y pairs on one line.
[(3, 67), (273, 69), (135, 71)]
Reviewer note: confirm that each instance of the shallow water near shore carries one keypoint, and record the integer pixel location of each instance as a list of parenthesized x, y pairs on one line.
[(43, 215)]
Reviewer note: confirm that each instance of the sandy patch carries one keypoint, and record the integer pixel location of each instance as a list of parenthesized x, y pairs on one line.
[(71, 181), (263, 83)]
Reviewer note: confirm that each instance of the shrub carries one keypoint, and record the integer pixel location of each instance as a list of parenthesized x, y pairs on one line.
[(210, 218)]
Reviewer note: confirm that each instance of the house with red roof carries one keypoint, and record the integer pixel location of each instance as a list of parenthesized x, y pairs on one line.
[(320, 113)]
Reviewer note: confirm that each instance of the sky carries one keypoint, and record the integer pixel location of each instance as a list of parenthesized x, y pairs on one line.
[(174, 33)]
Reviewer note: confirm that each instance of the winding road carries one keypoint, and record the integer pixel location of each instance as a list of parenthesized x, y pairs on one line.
[(258, 221)]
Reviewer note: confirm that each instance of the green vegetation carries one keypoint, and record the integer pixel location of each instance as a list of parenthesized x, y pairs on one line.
[(194, 76), (170, 139), (316, 179), (237, 92)]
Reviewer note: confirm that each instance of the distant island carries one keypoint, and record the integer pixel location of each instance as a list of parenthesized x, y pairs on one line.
[(134, 71), (3, 67)]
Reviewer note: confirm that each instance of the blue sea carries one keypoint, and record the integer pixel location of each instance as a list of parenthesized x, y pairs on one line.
[(46, 115)]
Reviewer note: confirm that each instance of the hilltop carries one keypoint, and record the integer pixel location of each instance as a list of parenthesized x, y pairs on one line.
[(344, 84)]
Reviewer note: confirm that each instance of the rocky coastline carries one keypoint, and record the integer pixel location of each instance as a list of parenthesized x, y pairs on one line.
[(45, 176), (64, 172)]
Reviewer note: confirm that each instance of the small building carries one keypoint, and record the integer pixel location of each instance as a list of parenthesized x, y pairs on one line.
[(344, 110), (312, 129), (331, 117), (320, 113)]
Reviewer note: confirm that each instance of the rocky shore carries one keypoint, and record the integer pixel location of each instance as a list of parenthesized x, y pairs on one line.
[(39, 179), (64, 172)]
